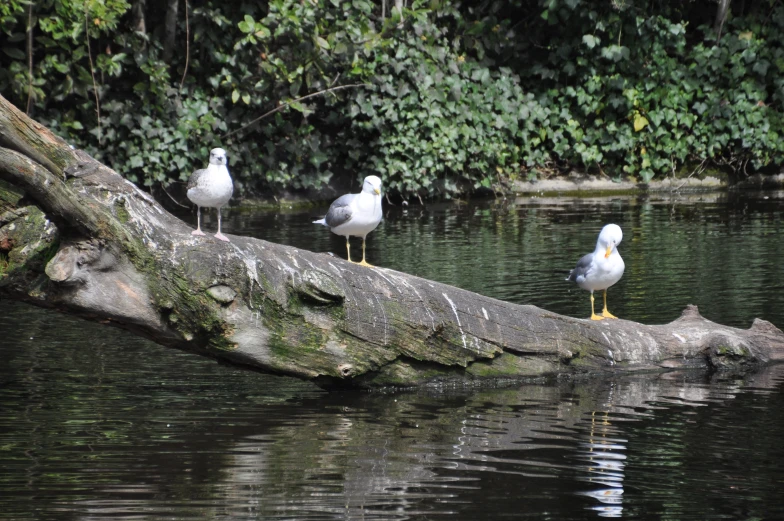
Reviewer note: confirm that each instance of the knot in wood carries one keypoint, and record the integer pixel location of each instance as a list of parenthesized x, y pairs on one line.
[(72, 261), (319, 287), (222, 294), (346, 370), (81, 169)]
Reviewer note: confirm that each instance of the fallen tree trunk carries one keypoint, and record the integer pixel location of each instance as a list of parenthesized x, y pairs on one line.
[(77, 237)]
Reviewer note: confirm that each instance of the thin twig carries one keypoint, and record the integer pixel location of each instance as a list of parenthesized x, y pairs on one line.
[(29, 57), (284, 105), (772, 8), (337, 77), (698, 170), (175, 201), (187, 46), (92, 73)]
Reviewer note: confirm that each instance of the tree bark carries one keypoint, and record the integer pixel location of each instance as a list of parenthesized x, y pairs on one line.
[(77, 237), (137, 16), (721, 16), (170, 30)]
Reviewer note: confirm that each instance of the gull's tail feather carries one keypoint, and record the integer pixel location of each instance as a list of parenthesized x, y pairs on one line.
[(321, 221)]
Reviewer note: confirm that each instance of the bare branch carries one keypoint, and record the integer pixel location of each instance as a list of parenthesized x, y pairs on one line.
[(286, 104), (92, 73), (29, 57), (187, 46)]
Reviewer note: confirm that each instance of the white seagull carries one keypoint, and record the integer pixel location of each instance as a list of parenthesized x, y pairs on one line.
[(211, 187), (602, 268), (356, 214)]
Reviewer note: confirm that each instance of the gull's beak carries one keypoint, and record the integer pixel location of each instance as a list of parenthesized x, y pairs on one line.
[(609, 251), (378, 192)]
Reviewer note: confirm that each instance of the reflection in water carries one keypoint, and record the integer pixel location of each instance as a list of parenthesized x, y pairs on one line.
[(605, 458), (129, 430), (96, 424)]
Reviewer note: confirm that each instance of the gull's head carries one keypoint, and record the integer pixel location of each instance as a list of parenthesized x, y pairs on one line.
[(610, 237), (372, 185), (218, 157)]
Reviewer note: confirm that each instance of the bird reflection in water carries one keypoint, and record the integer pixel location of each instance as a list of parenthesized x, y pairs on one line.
[(606, 458)]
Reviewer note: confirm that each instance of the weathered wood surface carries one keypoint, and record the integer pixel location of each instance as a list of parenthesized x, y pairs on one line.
[(77, 237)]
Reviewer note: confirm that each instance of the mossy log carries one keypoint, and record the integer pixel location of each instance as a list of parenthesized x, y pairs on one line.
[(77, 237)]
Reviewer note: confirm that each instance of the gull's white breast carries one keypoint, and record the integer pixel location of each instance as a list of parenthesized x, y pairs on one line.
[(365, 216), (213, 187), (604, 272)]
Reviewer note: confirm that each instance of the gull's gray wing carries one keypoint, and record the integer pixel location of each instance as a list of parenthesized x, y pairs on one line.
[(194, 180), (339, 211), (583, 265)]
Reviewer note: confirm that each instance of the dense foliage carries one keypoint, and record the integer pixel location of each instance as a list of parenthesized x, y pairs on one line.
[(440, 98)]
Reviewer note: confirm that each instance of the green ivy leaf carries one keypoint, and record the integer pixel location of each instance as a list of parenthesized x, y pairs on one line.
[(324, 44), (640, 122), (590, 40), (247, 25), (14, 53)]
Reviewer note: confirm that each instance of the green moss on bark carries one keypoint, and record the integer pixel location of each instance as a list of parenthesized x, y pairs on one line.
[(121, 211), (9, 196), (507, 365), (188, 310), (30, 241)]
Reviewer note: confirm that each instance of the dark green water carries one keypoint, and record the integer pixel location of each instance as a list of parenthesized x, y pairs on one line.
[(96, 424)]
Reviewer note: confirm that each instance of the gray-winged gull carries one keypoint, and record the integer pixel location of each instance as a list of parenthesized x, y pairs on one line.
[(356, 214), (602, 268), (211, 187)]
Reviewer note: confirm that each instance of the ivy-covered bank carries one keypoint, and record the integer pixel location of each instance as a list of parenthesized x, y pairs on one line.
[(437, 97)]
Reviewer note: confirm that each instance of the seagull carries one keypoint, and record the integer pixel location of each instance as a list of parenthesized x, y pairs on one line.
[(356, 214), (211, 187), (602, 268)]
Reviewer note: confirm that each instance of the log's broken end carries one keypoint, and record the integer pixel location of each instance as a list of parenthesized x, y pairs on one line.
[(63, 265), (763, 326), (691, 312)]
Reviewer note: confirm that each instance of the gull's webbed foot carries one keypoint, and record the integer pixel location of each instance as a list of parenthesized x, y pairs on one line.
[(605, 312), (198, 232), (221, 237), (364, 262)]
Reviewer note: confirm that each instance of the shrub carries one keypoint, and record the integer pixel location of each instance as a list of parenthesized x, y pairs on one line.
[(443, 98)]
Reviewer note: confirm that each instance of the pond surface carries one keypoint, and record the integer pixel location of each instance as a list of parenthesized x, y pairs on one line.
[(96, 424)]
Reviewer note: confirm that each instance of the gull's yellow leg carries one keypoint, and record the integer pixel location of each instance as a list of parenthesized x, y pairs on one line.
[(594, 316), (364, 262), (605, 313), (348, 251)]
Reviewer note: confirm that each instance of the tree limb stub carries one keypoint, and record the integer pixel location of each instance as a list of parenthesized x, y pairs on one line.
[(77, 237)]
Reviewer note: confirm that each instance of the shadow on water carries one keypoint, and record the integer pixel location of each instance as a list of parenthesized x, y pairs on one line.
[(96, 424)]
